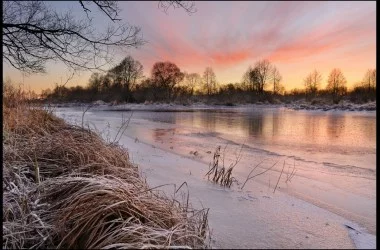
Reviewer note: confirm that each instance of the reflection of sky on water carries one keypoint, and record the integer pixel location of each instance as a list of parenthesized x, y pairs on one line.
[(282, 127), (334, 153), (342, 138)]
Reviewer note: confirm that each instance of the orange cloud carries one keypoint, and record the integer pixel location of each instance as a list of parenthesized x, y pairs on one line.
[(230, 58)]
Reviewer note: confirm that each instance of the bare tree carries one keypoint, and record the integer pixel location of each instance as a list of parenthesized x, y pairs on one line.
[(106, 82), (209, 80), (127, 73), (312, 82), (192, 80), (246, 84), (369, 80), (308, 83), (34, 34), (95, 82), (336, 83), (166, 75), (276, 79), (251, 79), (262, 69), (281, 89), (373, 76)]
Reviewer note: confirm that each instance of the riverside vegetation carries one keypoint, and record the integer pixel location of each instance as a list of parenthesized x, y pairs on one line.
[(126, 83), (65, 187)]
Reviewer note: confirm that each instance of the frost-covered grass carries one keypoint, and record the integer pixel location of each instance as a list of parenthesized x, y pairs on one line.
[(65, 187)]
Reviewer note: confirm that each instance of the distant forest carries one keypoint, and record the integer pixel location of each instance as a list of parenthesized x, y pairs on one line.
[(261, 82), (35, 34)]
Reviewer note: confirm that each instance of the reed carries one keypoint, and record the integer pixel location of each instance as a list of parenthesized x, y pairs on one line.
[(221, 174)]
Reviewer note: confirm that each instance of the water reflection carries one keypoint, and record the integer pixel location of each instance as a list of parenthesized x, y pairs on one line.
[(275, 125), (311, 127), (255, 125), (335, 126), (286, 128)]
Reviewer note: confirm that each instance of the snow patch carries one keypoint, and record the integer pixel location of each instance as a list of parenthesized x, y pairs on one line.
[(361, 238)]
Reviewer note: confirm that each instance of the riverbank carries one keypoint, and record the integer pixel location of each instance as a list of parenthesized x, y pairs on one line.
[(249, 217), (165, 107), (254, 217), (65, 187)]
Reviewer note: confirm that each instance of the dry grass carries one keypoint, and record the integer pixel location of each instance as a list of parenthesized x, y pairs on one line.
[(65, 187), (291, 174), (218, 173)]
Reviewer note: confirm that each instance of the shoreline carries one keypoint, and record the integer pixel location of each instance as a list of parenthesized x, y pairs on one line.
[(66, 187), (196, 107), (146, 155), (162, 166)]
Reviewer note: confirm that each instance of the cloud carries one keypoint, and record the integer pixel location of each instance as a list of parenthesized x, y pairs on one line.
[(230, 58), (346, 30), (230, 36)]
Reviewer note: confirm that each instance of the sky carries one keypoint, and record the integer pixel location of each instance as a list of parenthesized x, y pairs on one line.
[(297, 37)]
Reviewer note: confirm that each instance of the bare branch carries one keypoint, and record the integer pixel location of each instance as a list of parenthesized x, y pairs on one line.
[(84, 8), (34, 34), (188, 6), (110, 8)]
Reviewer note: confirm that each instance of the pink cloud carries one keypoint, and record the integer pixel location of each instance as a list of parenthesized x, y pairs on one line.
[(282, 32), (229, 58), (328, 37)]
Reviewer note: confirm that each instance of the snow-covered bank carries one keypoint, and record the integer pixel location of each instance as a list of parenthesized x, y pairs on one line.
[(249, 218), (162, 107), (346, 106)]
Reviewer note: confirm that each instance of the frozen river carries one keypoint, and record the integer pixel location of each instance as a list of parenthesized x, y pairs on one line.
[(333, 153)]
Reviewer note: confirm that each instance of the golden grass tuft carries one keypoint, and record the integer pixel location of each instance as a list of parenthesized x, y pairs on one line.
[(65, 187)]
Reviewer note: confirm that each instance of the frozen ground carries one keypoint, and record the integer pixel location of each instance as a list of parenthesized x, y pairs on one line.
[(343, 105), (298, 105), (322, 208)]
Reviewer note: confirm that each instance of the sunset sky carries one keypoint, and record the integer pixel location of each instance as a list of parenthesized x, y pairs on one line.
[(297, 37)]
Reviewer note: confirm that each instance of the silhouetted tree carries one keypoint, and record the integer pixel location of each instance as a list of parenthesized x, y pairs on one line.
[(251, 79), (276, 78), (126, 74), (106, 82), (209, 80), (369, 80), (263, 71), (95, 82), (245, 82), (193, 80), (336, 84), (312, 82), (165, 76)]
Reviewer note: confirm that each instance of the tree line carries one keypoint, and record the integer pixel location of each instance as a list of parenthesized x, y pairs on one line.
[(126, 82), (35, 34)]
